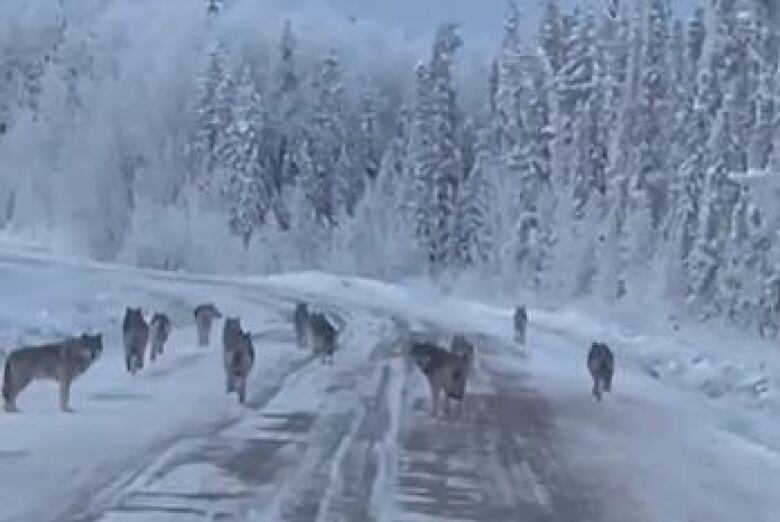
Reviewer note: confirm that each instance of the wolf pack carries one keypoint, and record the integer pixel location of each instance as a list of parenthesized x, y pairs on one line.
[(446, 368)]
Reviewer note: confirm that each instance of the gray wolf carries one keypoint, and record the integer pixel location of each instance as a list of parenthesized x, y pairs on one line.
[(160, 327), (462, 346), (62, 362), (446, 372), (204, 318), (238, 357), (601, 364), (323, 336), (301, 322), (520, 323), (135, 335)]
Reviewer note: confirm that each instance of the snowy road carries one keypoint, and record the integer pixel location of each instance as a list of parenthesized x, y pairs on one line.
[(354, 441)]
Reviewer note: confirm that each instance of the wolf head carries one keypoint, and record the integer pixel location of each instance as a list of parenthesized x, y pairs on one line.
[(207, 309), (321, 326), (94, 345), (600, 355), (161, 319), (301, 309), (133, 316), (520, 312), (232, 325), (133, 312), (427, 355), (460, 344)]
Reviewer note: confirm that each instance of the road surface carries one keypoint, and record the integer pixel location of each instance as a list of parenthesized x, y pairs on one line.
[(355, 442)]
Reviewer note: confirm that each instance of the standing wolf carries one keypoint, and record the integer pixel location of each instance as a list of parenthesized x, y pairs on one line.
[(160, 327), (135, 335), (301, 322), (601, 364), (238, 357), (204, 319), (62, 362), (520, 323), (446, 372), (323, 336)]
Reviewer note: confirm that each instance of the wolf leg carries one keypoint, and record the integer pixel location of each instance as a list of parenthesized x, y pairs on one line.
[(11, 389), (434, 400), (242, 390), (65, 395), (597, 388)]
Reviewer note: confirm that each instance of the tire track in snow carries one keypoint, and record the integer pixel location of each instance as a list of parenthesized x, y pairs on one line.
[(496, 463), (282, 461)]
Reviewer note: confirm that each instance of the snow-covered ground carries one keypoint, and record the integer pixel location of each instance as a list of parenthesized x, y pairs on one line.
[(354, 441)]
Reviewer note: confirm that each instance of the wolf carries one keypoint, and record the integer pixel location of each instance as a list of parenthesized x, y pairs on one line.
[(160, 329), (462, 346), (520, 322), (204, 317), (323, 336), (238, 357), (601, 364), (446, 372), (135, 335), (301, 321), (62, 362)]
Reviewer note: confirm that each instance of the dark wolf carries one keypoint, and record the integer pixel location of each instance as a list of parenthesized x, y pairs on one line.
[(601, 365), (520, 324), (301, 320), (446, 373), (135, 336), (238, 357), (160, 327), (323, 336), (204, 319), (62, 362)]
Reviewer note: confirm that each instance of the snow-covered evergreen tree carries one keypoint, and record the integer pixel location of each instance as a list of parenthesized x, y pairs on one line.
[(286, 123), (421, 157), (655, 111), (324, 146), (211, 116), (551, 34), (448, 164), (248, 185), (474, 235)]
